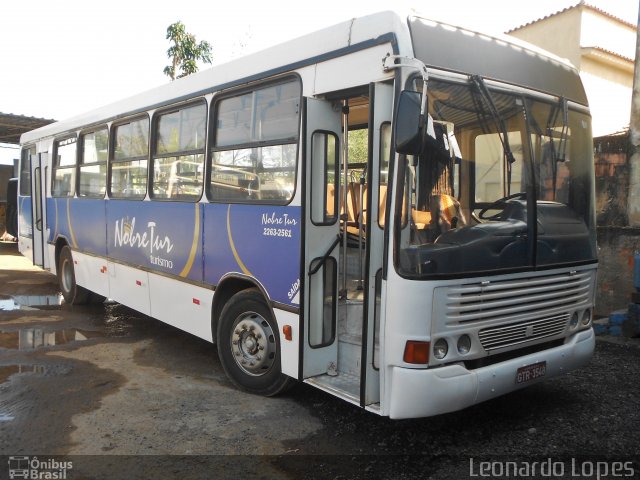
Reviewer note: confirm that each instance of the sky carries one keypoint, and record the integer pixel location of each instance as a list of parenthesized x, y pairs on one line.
[(62, 58)]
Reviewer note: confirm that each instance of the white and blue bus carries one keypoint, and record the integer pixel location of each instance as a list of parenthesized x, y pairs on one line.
[(394, 210)]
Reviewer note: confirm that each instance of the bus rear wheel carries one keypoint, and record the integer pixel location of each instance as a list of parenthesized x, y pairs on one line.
[(249, 345), (73, 293)]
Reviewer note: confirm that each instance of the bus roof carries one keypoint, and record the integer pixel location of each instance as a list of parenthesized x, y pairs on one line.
[(499, 58), (435, 43)]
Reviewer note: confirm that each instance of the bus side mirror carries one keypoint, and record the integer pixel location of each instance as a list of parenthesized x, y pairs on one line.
[(409, 124)]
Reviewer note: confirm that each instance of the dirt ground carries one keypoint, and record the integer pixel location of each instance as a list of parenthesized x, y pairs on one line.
[(125, 396)]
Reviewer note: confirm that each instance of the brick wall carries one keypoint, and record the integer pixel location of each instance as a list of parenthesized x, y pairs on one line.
[(617, 241), (616, 247)]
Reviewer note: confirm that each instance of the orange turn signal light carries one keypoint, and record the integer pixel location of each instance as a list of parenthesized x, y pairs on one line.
[(288, 332), (416, 352)]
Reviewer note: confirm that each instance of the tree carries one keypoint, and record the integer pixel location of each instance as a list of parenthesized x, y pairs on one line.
[(358, 146), (185, 52)]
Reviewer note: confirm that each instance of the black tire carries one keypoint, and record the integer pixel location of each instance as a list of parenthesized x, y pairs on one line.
[(73, 293), (12, 223), (249, 345)]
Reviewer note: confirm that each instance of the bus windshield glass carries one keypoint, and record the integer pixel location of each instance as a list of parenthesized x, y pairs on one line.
[(503, 183)]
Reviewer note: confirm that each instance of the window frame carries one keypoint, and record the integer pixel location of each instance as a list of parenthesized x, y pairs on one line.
[(381, 155), (153, 155), (292, 140), (80, 157), (111, 160), (329, 284), (26, 149), (326, 219), (55, 167)]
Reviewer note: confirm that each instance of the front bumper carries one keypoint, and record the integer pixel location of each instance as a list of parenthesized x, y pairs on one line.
[(432, 391)]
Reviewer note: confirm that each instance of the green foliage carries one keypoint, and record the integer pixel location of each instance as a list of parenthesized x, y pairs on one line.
[(185, 52), (358, 146)]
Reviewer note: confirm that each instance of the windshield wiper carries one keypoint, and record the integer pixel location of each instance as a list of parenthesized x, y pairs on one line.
[(500, 126), (558, 155)]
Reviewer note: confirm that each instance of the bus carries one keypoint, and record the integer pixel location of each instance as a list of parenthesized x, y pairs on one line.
[(397, 211)]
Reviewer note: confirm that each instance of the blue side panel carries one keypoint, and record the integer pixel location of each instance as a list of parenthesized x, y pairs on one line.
[(25, 217), (256, 240), (162, 236), (80, 220)]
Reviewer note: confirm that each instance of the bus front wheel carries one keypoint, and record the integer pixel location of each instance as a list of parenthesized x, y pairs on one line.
[(249, 345), (73, 293)]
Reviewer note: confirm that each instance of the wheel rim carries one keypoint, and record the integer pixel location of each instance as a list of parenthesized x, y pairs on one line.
[(253, 344), (67, 276)]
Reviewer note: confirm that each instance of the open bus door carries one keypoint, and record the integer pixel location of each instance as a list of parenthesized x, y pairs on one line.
[(322, 238), (380, 112), (38, 214), (343, 266)]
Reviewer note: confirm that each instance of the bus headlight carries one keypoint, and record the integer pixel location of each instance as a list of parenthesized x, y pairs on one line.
[(573, 323), (440, 349), (586, 317), (464, 344)]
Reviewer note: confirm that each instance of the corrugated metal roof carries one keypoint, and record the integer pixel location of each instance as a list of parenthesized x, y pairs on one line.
[(579, 4), (12, 126)]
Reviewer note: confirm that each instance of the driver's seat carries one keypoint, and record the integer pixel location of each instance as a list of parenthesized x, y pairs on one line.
[(446, 213)]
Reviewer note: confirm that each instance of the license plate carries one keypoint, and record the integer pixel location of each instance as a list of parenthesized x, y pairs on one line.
[(531, 372)]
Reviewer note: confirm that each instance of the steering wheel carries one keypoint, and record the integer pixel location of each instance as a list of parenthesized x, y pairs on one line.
[(500, 204)]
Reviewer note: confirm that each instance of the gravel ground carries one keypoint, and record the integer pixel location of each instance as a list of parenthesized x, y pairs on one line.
[(124, 396)]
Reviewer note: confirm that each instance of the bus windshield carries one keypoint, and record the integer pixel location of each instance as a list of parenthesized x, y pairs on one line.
[(503, 183)]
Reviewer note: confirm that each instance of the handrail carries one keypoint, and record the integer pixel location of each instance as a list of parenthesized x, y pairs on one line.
[(324, 258)]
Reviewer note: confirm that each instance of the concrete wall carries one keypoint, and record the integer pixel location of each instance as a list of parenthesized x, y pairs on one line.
[(598, 30), (602, 48), (608, 81), (609, 100), (559, 34)]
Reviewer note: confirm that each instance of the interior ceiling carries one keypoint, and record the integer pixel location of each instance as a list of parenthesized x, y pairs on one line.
[(12, 126), (358, 111)]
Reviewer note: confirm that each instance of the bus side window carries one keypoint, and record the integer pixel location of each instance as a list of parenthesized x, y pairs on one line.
[(385, 154), (93, 163), (324, 173), (129, 159), (64, 167), (25, 171), (178, 155), (255, 145)]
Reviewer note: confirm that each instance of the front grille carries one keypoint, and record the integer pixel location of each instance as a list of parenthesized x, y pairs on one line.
[(502, 336), (491, 301)]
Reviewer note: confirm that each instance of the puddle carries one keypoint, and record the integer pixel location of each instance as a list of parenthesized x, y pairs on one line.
[(33, 338), (119, 320), (29, 302), (115, 321), (7, 370)]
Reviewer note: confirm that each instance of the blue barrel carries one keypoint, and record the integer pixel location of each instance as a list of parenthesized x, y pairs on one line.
[(636, 271)]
